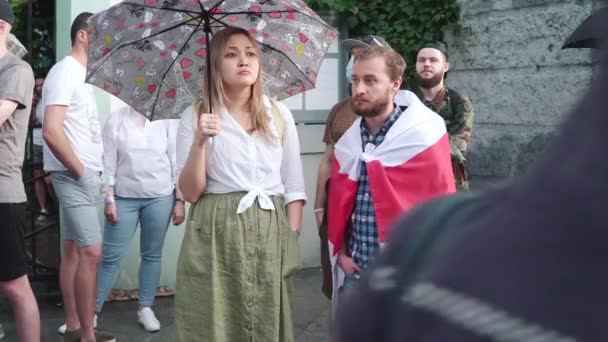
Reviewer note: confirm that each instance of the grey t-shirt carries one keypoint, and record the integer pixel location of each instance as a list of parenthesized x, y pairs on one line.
[(16, 84)]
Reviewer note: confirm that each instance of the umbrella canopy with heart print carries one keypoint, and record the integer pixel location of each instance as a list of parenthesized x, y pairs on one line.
[(152, 53)]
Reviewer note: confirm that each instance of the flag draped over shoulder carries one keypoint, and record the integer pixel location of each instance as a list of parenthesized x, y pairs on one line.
[(411, 165)]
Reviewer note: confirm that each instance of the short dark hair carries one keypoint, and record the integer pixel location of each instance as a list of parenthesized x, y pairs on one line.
[(395, 64), (436, 44), (80, 23)]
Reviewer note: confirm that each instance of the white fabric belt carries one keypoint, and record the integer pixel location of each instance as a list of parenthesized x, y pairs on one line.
[(251, 196)]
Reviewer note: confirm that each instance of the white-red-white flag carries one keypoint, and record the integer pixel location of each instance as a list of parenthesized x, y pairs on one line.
[(412, 165)]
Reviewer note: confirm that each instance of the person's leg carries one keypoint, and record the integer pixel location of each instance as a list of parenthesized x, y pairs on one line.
[(155, 219), (67, 275), (49, 188), (40, 189), (80, 201), (116, 240), (27, 317), (69, 257), (13, 272), (85, 285)]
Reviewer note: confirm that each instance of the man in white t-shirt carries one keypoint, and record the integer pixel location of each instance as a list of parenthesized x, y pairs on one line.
[(73, 154)]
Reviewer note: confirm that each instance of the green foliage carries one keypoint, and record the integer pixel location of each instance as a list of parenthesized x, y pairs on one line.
[(405, 24), (42, 55)]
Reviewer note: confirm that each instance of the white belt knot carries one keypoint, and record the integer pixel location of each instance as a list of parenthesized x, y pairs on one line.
[(250, 197)]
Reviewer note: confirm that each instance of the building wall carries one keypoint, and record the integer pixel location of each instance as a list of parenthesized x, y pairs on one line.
[(508, 60)]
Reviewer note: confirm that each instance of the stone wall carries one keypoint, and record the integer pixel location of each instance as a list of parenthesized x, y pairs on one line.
[(508, 60)]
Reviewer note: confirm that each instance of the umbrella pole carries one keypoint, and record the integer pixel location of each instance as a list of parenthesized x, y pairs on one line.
[(207, 29)]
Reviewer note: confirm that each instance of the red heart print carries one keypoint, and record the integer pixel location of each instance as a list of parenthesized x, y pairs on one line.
[(291, 16), (151, 2), (173, 47), (216, 11), (202, 40), (141, 26), (289, 8), (253, 31), (121, 25), (116, 93), (106, 52), (303, 38), (141, 63), (151, 88), (171, 93), (255, 9), (105, 86), (285, 47), (193, 3), (202, 53), (154, 25), (265, 34), (186, 75), (163, 53), (186, 63), (274, 14)]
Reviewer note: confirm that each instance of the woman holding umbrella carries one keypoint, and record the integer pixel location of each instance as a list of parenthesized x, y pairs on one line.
[(240, 167)]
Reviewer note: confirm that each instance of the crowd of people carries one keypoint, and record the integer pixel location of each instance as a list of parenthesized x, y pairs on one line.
[(238, 163)]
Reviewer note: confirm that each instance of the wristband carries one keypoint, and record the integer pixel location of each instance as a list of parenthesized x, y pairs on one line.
[(319, 210), (178, 199)]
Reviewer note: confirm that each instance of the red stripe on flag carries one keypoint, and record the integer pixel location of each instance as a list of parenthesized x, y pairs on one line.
[(395, 190), (340, 206)]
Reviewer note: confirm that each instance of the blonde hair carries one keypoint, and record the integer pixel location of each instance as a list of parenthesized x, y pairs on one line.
[(259, 115)]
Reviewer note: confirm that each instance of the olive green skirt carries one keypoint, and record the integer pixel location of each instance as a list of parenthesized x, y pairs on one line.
[(234, 273)]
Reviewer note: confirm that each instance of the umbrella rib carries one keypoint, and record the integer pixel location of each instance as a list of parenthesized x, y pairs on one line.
[(286, 58), (162, 8), (282, 11), (169, 70), (183, 23)]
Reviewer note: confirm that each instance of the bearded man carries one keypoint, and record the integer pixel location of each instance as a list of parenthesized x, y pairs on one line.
[(394, 156), (432, 66)]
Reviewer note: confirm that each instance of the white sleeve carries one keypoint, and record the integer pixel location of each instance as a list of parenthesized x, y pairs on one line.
[(185, 137), (110, 145), (292, 173), (59, 87), (172, 126)]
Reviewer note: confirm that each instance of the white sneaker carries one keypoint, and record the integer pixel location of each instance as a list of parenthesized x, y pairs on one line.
[(146, 318), (61, 330)]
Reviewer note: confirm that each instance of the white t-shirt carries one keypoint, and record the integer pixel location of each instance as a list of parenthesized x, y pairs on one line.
[(65, 86), (241, 162), (37, 132), (139, 155)]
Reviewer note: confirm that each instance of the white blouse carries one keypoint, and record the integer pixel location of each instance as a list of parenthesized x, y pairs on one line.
[(237, 161), (139, 156)]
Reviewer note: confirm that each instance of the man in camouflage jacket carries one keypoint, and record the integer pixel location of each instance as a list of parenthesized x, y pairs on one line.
[(457, 111)]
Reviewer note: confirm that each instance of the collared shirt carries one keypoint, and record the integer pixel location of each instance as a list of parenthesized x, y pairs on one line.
[(364, 240), (237, 161), (139, 155)]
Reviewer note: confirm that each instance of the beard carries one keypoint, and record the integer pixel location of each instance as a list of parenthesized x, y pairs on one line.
[(428, 83), (371, 108)]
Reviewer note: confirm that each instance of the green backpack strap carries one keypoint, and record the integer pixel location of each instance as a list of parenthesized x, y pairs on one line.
[(278, 118)]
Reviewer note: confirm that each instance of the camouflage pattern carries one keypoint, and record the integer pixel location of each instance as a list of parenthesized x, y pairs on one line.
[(457, 111)]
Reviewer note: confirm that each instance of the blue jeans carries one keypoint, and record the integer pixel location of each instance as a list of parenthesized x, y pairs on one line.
[(154, 215)]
